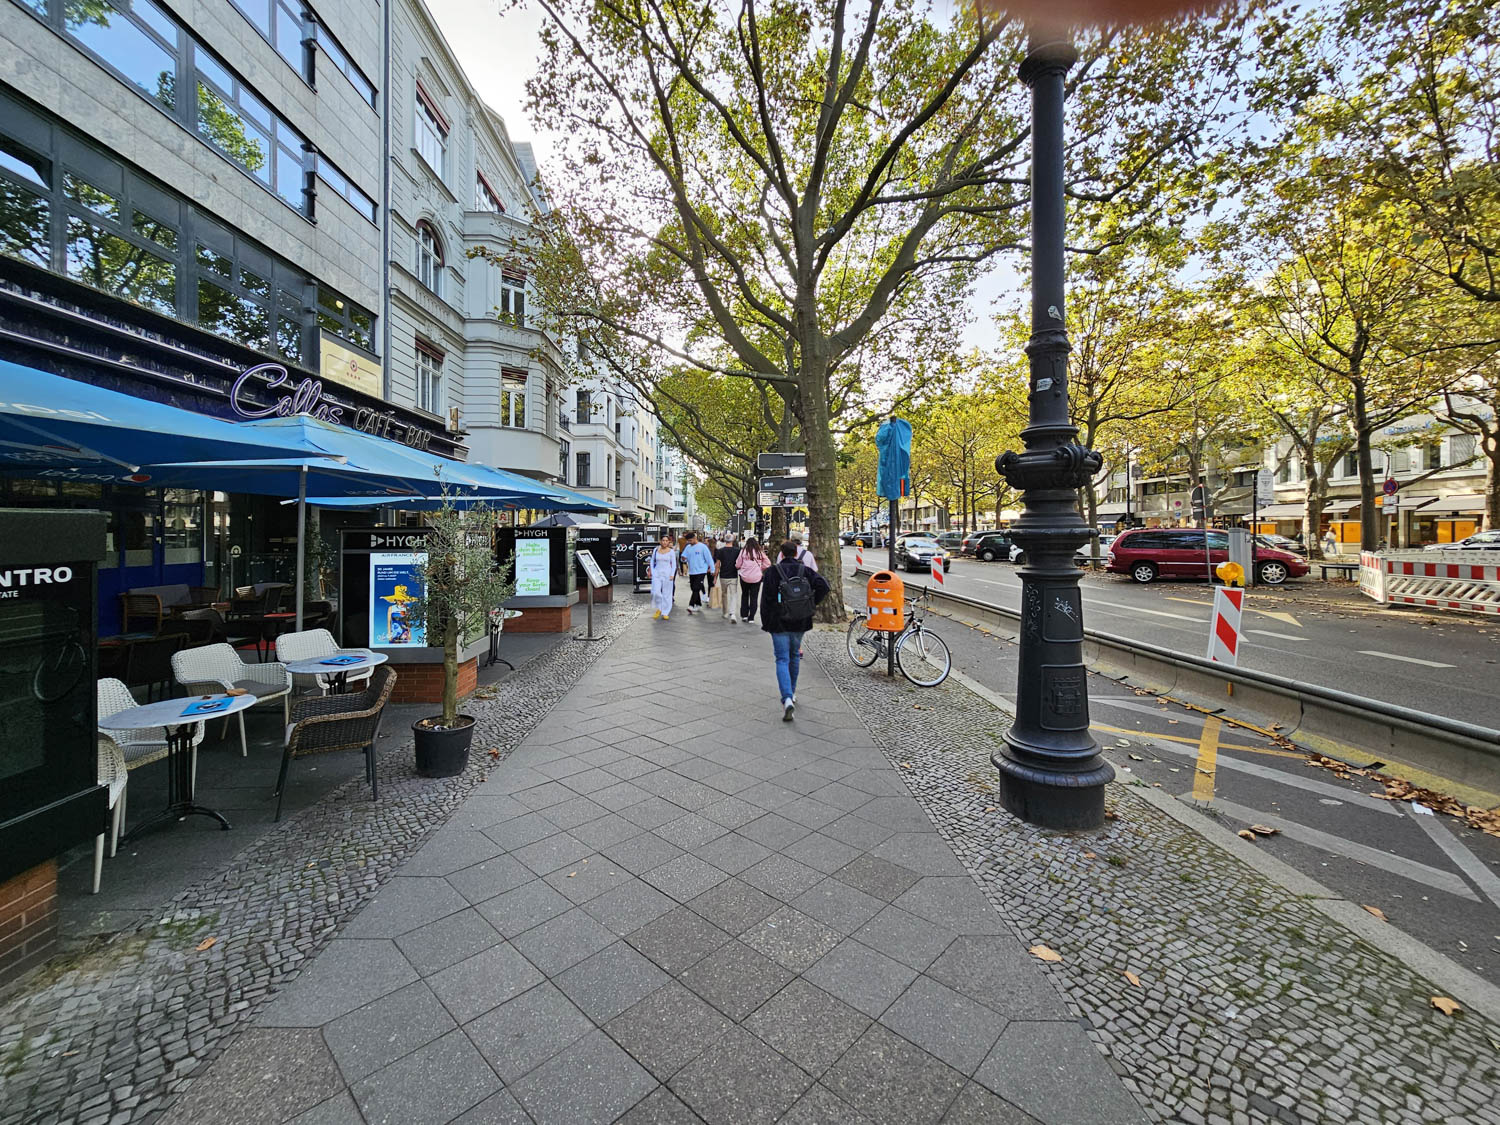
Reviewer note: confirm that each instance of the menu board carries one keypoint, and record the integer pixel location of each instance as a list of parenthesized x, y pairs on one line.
[(533, 567), (393, 587)]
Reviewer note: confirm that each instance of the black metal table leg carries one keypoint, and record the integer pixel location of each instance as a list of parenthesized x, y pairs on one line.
[(180, 803)]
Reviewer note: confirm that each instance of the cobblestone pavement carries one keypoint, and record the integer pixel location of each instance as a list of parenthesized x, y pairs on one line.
[(667, 905), (108, 1036), (1252, 1005)]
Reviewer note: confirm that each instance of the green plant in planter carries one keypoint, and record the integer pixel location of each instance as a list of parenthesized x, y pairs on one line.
[(460, 584)]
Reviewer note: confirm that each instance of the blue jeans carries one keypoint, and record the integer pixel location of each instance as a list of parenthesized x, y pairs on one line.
[(788, 648)]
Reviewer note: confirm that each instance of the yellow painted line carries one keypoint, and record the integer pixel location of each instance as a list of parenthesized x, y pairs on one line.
[(1278, 614), (1208, 760), (1194, 742)]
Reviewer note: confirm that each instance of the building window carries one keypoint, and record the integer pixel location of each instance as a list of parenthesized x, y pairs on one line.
[(25, 209), (584, 411), (1461, 448), (513, 296), (1351, 465), (582, 480), (335, 53), (1432, 456), (242, 127), (283, 24), (141, 45), (513, 400), (562, 460), (617, 479), (429, 258), (485, 198), (431, 133), (343, 186), (429, 378), (342, 317), (1400, 460)]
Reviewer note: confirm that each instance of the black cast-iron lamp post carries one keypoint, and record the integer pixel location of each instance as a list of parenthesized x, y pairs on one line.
[(1051, 773)]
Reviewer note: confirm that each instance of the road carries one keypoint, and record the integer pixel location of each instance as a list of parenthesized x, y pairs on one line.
[(1306, 630), (1431, 876)]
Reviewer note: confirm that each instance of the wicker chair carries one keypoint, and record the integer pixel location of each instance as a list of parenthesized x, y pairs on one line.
[(312, 644), (114, 773), (217, 668), (338, 722), (202, 626), (140, 613)]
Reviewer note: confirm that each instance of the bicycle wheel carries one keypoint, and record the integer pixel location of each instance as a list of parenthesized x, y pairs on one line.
[(923, 658), (864, 646)]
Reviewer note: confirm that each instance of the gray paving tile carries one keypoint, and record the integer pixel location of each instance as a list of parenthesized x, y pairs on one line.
[(802, 781), (337, 1110), (855, 830), (558, 850), (904, 936), (740, 1081), (478, 983), (889, 1080), (627, 908), (999, 974), (808, 1026), (563, 941), (610, 981), (494, 876), (527, 1030), (347, 974), (570, 814), (402, 905), (685, 877), (783, 877), (593, 1081), (770, 796), (306, 1078), (516, 911), (381, 1032), (620, 796), (523, 830), (652, 812), (609, 829), (838, 905), (732, 853), (736, 979), (734, 905), (810, 812), (447, 941), (821, 1106), (860, 976), (977, 1106), (481, 811), (1053, 1072), (661, 1107), (821, 852), (926, 853), (629, 767), (508, 779), (589, 878), (449, 850), (791, 939), (903, 814), (954, 902), (544, 796), (878, 877), (497, 1109), (642, 853), (591, 780), (775, 832), (678, 939), (668, 1029), (433, 1084), (690, 831), (840, 796), (945, 1024), (731, 780)]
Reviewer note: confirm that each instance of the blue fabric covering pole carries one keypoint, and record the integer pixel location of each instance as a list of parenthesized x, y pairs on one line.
[(893, 442)]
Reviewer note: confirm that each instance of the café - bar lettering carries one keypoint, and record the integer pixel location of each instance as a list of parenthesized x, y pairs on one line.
[(305, 396)]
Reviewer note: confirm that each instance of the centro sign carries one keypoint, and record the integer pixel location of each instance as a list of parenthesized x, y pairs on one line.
[(305, 396)]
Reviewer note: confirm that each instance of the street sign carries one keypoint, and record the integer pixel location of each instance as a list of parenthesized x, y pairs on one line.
[(1265, 487), (1390, 486), (767, 462), (783, 484), (1392, 504), (1199, 499), (783, 499)]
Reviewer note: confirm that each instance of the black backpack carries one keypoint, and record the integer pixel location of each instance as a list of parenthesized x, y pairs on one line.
[(795, 594)]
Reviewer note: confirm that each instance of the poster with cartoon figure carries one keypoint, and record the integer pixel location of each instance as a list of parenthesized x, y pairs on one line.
[(393, 587)]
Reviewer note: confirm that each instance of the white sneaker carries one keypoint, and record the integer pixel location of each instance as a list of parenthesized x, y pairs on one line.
[(788, 706)]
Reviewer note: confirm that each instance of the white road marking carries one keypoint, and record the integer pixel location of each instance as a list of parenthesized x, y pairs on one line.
[(1278, 636), (1405, 659), (1141, 609), (1432, 877), (1485, 879)]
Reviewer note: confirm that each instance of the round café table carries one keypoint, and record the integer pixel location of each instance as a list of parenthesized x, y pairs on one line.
[(337, 667), (168, 713), (498, 618)]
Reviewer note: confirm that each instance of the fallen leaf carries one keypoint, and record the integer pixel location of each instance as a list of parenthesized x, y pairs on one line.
[(1377, 912), (206, 943), (1172, 722), (494, 753), (1246, 834), (1136, 758), (571, 874), (906, 765), (990, 809), (1264, 830), (1111, 815), (1132, 978), (1446, 1005), (1045, 953), (1089, 855)]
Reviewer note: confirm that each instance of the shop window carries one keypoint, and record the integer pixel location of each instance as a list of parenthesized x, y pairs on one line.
[(342, 317), (513, 297), (429, 378), (430, 132), (109, 262), (182, 526), (334, 52), (429, 258), (513, 401), (86, 195), (485, 198)]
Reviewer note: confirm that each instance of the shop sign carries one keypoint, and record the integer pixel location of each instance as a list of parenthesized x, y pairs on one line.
[(349, 368), (305, 396)]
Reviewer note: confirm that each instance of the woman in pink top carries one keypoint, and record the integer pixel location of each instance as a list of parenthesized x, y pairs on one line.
[(753, 563)]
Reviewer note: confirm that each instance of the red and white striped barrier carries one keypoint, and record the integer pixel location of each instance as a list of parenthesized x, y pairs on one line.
[(859, 552), (1224, 634), (1417, 578), (937, 569)]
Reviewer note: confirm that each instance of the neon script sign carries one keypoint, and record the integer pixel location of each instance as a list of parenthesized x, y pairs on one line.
[(305, 396)]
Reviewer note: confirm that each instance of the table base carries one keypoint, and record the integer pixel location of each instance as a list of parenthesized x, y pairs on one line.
[(180, 803)]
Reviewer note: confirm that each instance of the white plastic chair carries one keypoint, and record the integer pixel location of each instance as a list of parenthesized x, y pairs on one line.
[(137, 747), (113, 773), (217, 668), (313, 644)]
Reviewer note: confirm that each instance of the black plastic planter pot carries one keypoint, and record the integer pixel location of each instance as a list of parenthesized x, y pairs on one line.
[(443, 751)]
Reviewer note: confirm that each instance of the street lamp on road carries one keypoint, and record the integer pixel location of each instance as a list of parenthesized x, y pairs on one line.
[(1051, 773)]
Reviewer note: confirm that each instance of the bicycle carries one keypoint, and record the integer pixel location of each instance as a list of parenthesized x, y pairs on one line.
[(925, 651)]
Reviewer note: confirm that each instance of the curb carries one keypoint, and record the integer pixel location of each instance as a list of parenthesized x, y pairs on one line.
[(1476, 993)]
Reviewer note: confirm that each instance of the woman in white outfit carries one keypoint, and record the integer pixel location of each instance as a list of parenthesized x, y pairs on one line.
[(663, 576)]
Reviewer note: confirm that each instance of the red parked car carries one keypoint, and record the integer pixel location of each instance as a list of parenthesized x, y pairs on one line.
[(1149, 553)]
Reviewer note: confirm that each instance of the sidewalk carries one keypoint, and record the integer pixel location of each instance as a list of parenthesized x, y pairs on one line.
[(667, 905)]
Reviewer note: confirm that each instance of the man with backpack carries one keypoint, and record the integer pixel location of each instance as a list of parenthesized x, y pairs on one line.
[(790, 593)]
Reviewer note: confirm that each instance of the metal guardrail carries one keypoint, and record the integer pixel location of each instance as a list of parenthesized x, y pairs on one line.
[(1323, 719)]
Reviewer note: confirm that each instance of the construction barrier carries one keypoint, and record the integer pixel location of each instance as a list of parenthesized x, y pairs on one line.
[(1466, 581), (1224, 634), (937, 570)]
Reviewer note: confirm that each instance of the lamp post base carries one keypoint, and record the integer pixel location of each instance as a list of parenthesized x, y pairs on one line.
[(1052, 798)]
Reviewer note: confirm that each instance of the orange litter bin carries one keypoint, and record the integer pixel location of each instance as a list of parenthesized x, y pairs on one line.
[(886, 596)]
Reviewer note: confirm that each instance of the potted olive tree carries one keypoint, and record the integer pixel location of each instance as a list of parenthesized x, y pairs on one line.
[(459, 585)]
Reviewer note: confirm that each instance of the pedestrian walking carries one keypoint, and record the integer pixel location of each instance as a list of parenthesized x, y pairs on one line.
[(726, 560), (664, 564), (1330, 543), (804, 556), (751, 568), (697, 561), (792, 592)]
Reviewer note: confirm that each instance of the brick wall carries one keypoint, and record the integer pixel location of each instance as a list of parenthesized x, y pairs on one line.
[(542, 619), (28, 920), (423, 683), (601, 595)]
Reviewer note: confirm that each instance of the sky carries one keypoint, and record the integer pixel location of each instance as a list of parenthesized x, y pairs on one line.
[(497, 46)]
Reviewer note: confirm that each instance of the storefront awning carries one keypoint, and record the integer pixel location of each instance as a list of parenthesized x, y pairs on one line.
[(1339, 507), (1465, 503), (1282, 512)]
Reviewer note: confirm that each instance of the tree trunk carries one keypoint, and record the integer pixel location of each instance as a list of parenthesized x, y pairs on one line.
[(1490, 442), (822, 482), (450, 669)]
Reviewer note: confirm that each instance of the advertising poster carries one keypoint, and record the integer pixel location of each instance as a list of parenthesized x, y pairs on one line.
[(533, 563), (393, 587)]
